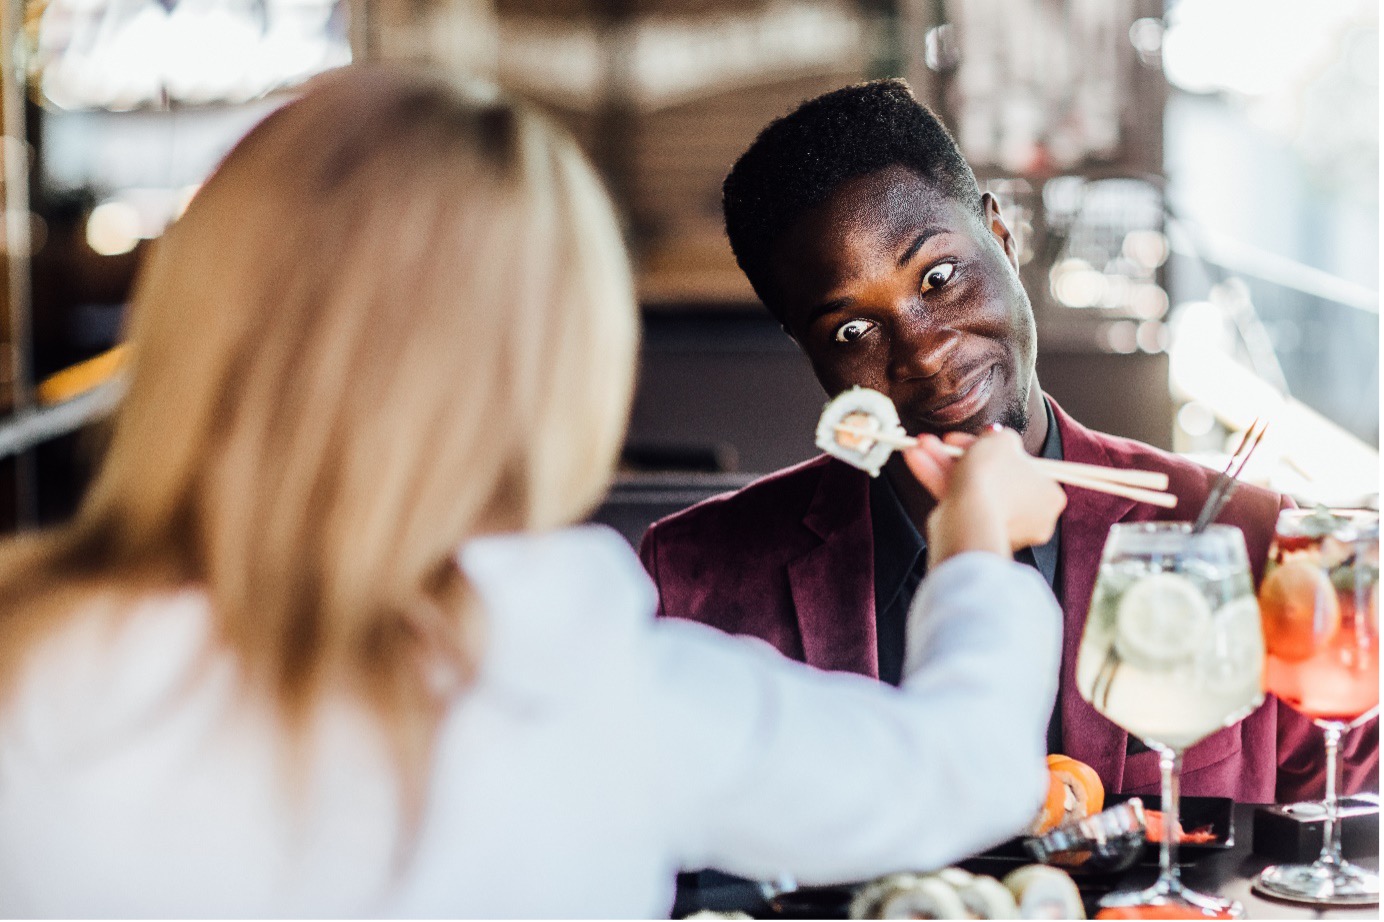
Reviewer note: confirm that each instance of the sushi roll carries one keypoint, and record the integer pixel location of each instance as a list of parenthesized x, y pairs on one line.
[(1075, 792), (1045, 893), (908, 896), (983, 897), (951, 893), (925, 898), (865, 904), (861, 427)]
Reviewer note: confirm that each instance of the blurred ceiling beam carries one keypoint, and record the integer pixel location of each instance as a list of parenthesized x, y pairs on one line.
[(456, 37)]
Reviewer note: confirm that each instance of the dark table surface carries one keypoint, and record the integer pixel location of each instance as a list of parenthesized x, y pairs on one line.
[(1231, 872), (1227, 872)]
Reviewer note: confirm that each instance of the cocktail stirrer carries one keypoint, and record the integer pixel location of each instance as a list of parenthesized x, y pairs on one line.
[(1226, 481)]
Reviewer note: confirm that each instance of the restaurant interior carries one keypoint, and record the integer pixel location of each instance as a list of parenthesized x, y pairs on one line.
[(1196, 217), (1193, 187)]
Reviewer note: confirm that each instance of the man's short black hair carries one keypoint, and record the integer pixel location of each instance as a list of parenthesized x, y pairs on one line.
[(799, 160)]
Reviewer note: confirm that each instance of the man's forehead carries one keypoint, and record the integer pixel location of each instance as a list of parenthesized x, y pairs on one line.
[(890, 203), (867, 219)]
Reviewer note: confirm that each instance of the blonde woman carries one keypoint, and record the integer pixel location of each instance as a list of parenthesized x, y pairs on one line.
[(322, 642)]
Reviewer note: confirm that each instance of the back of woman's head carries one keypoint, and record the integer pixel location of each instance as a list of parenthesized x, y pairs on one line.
[(397, 316)]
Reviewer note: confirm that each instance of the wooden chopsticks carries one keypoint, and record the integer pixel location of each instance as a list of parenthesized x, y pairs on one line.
[(1141, 486)]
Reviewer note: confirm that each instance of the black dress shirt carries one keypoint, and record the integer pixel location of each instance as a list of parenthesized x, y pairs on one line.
[(901, 564)]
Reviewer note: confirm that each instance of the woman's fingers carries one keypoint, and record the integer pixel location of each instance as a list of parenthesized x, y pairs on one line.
[(996, 477)]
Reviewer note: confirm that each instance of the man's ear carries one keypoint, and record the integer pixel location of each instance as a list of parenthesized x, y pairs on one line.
[(994, 223)]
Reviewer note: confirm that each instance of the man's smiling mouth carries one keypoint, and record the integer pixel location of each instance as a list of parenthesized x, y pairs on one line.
[(964, 403)]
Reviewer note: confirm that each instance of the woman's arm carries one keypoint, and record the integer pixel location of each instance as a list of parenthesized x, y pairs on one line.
[(774, 767), (834, 777)]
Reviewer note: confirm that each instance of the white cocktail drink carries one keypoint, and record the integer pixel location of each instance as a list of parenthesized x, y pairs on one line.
[(1173, 650), (1172, 655)]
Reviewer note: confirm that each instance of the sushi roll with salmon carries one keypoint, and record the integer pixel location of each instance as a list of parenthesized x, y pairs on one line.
[(1075, 792), (861, 427)]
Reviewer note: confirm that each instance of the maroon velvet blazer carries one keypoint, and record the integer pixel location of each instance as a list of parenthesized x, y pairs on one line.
[(790, 559)]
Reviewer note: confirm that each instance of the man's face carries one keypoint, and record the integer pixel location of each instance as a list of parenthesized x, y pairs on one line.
[(891, 285)]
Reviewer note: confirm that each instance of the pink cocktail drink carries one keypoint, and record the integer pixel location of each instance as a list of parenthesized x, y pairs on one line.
[(1320, 607)]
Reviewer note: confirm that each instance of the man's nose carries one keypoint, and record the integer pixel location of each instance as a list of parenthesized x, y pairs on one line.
[(922, 350)]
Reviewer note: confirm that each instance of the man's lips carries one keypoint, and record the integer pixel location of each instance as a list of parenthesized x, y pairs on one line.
[(965, 401)]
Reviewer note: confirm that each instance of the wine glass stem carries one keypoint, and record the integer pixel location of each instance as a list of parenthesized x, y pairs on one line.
[(1170, 762), (1331, 835)]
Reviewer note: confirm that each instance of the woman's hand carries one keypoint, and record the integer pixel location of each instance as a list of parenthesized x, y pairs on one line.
[(991, 499)]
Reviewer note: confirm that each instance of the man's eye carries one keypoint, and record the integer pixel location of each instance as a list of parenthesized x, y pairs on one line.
[(937, 276), (853, 330)]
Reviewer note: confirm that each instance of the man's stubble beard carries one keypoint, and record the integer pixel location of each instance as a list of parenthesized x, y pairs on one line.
[(1016, 415)]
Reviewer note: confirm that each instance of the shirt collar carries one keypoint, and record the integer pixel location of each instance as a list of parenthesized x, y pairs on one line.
[(1052, 443), (899, 546), (1045, 555)]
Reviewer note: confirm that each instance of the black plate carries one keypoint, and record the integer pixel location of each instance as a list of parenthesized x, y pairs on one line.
[(1197, 812), (723, 892), (1216, 812)]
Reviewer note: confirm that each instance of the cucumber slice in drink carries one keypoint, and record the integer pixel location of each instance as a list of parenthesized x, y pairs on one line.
[(1233, 659), (1161, 621)]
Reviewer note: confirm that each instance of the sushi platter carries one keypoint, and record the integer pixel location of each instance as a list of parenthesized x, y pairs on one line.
[(1078, 849)]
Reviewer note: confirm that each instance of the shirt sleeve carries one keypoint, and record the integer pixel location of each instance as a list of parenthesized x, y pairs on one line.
[(773, 767)]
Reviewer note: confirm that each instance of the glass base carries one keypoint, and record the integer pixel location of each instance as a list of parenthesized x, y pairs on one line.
[(1179, 902), (1342, 884)]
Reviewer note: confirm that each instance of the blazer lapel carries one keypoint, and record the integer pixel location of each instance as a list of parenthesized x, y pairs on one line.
[(1086, 735), (832, 584)]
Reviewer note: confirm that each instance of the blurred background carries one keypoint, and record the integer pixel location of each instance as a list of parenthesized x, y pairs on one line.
[(1194, 185)]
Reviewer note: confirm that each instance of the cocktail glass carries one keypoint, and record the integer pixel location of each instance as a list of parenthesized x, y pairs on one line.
[(1320, 606), (1172, 652)]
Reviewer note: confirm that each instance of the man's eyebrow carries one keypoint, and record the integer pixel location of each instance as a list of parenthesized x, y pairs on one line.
[(837, 304), (823, 309), (917, 244)]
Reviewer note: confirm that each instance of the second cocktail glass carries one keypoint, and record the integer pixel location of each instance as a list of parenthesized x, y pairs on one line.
[(1172, 652), (1320, 604)]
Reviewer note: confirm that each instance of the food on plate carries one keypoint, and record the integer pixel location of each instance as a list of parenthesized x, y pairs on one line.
[(853, 424), (865, 903), (924, 898), (1045, 893), (1199, 836), (1074, 792), (953, 893), (984, 897), (908, 896), (1110, 840)]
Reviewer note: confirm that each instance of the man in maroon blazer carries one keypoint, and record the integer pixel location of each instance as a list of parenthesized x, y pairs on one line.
[(862, 230)]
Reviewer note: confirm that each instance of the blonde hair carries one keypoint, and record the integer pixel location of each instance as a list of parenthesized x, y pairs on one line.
[(399, 315)]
